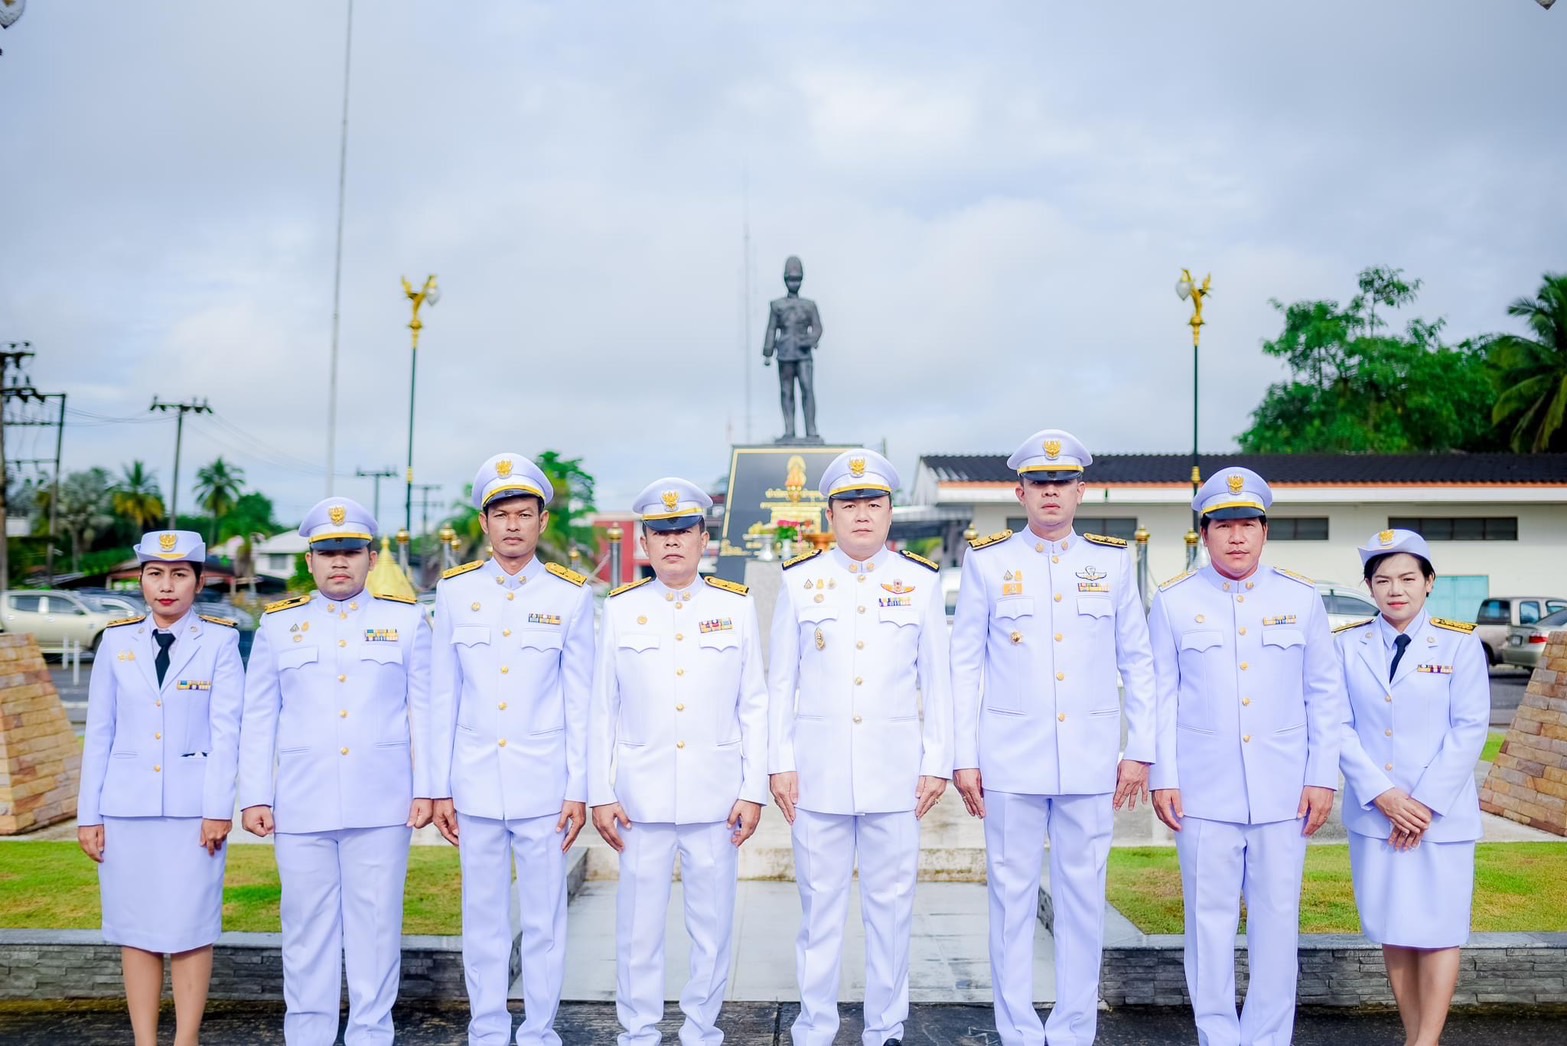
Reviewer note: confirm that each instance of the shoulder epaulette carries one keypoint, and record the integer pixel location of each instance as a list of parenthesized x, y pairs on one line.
[(1302, 578), (998, 536), (1353, 624), (628, 586), (921, 560), (286, 604), (1177, 579), (727, 585), (127, 621), (393, 597), (230, 622), (1465, 627), (462, 569), (567, 574), (797, 560), (1105, 539)]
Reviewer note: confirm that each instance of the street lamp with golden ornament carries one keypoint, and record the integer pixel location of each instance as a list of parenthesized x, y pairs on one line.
[(429, 294), (1187, 288)]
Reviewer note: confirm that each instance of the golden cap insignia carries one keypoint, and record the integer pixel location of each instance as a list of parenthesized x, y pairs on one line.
[(166, 542), (1052, 449), (337, 513), (1236, 483), (503, 468), (1385, 538), (857, 467), (671, 499)]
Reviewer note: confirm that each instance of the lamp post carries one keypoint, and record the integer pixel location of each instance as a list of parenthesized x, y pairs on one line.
[(429, 294), (448, 536), (615, 534), (1185, 288)]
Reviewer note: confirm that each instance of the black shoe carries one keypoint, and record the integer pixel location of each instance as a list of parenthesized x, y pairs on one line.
[(893, 1042)]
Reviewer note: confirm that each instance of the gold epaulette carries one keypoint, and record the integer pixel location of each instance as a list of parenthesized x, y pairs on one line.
[(1105, 539), (286, 604), (462, 569), (1177, 579), (727, 585), (230, 622), (393, 597), (1353, 624), (998, 536), (1465, 627), (797, 560), (127, 621), (628, 586), (1302, 578), (921, 560), (567, 574)]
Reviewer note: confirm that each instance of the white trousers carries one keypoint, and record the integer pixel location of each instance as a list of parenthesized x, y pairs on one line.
[(488, 847), (1079, 828), (709, 870), (342, 900), (1221, 861), (825, 846)]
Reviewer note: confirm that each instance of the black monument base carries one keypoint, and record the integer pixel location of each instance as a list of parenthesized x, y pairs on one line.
[(769, 484)]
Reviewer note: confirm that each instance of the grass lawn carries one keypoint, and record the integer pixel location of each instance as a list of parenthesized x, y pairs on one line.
[(54, 886), (1493, 744), (1518, 887)]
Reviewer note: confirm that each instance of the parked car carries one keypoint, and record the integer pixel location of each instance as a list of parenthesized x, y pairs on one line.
[(1525, 642), (55, 616), (1345, 604), (120, 604), (1498, 614), (219, 607)]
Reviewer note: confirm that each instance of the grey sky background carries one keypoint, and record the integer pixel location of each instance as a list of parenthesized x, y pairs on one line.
[(992, 202)]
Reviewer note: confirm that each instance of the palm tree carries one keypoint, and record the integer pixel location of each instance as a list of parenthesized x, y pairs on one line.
[(218, 487), (136, 497), (83, 510), (1534, 370)]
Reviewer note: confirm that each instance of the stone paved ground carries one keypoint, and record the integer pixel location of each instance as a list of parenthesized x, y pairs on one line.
[(767, 1024)]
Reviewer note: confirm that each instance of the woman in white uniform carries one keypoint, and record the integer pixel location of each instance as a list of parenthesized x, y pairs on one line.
[(1419, 709), (157, 795)]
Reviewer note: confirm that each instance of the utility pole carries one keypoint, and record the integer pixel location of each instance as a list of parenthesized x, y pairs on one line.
[(425, 490), (193, 407), (26, 394), (376, 476), (10, 359)]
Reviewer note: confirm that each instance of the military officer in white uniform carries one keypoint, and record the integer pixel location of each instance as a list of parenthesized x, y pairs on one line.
[(859, 742), (1044, 619), (336, 700), (513, 666), (1250, 702), (677, 761), (157, 786)]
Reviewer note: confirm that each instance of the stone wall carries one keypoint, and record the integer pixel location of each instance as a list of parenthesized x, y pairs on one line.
[(1528, 781), (40, 757)]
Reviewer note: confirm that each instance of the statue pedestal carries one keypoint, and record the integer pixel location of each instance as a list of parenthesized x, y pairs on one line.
[(768, 483), (40, 758), (1528, 781)]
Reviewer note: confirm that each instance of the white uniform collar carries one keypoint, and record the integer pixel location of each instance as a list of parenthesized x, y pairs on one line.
[(1054, 547), (355, 602), (672, 595), (1389, 633), (854, 566), (534, 568), (1211, 574)]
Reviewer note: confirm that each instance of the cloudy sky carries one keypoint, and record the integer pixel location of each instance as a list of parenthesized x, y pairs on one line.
[(992, 200)]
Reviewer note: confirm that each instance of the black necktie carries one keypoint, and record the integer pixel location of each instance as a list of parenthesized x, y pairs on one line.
[(166, 640), (1400, 645)]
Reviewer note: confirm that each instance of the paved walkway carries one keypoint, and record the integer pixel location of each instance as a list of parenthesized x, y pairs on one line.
[(767, 1024)]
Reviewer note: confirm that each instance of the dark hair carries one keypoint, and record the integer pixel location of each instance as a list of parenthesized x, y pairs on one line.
[(538, 502), (1426, 570), (1208, 518), (194, 566)]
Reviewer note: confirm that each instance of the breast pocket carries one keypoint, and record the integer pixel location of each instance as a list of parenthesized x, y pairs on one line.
[(381, 653), (1014, 607), (1283, 637), (540, 640), (1095, 606), (814, 619), (637, 642), (718, 642), (1286, 648), (296, 657), (900, 616), (471, 635)]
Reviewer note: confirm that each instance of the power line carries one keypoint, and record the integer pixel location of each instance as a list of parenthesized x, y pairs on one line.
[(182, 409)]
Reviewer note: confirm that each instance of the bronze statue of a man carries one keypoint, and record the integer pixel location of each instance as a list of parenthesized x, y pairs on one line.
[(793, 329)]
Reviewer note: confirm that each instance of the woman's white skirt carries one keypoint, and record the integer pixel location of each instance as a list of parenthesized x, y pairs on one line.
[(161, 891), (1418, 898)]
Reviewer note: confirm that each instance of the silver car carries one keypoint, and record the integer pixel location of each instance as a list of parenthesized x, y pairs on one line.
[(1345, 604), (54, 616), (1499, 615), (1525, 643)]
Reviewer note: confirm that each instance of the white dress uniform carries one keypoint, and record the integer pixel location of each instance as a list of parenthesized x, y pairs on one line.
[(858, 649), (336, 696), (156, 759), (1250, 704), (678, 735), (1421, 731), (512, 671), (1040, 630)]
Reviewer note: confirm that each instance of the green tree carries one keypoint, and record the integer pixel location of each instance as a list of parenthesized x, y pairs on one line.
[(85, 510), (136, 498), (1355, 386), (573, 504), (218, 488), (1534, 370), (251, 517)]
